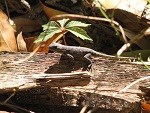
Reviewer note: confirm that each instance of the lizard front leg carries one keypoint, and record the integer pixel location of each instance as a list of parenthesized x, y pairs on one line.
[(65, 56), (88, 60), (70, 56)]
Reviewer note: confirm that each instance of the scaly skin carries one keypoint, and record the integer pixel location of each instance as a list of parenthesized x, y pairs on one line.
[(81, 52)]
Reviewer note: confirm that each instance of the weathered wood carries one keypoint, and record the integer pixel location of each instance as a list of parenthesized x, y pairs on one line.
[(66, 97), (63, 80), (107, 77), (31, 73), (51, 80), (145, 86)]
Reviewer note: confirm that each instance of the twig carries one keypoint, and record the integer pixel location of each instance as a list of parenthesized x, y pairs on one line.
[(22, 60), (92, 18), (130, 85), (133, 40), (14, 92), (7, 9)]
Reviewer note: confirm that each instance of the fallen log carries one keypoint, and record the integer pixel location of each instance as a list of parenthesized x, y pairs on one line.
[(67, 82)]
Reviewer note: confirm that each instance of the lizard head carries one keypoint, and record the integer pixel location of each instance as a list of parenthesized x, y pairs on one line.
[(56, 47)]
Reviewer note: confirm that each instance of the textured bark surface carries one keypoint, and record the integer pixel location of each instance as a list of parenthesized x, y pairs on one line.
[(106, 78)]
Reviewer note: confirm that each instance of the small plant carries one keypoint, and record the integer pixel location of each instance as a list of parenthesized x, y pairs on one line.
[(62, 27)]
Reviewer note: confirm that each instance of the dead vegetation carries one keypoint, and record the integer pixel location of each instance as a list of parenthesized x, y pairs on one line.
[(36, 79)]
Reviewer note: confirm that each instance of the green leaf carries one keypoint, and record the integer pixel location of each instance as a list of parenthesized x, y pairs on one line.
[(63, 22), (79, 33), (44, 36), (76, 24), (49, 29), (144, 54), (50, 25)]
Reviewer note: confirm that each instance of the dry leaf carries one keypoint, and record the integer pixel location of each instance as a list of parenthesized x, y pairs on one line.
[(7, 35), (30, 42), (26, 25), (31, 46), (129, 14), (50, 11), (17, 6), (143, 43), (44, 45), (145, 107), (21, 43), (133, 6)]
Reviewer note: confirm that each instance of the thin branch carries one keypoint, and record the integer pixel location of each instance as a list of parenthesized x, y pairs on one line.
[(92, 18), (133, 83), (133, 40)]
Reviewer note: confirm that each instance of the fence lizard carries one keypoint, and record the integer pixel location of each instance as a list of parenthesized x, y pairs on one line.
[(80, 52)]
